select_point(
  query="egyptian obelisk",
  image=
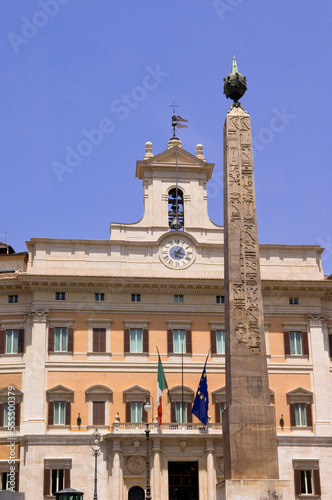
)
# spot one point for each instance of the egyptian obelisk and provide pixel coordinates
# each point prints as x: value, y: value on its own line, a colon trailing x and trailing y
x: 250, y: 443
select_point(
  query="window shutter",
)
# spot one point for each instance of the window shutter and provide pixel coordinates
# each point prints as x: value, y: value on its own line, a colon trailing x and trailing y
x: 50, y: 413
x: 17, y: 414
x: 305, y: 344
x: 297, y: 481
x: 102, y: 340
x: 70, y: 346
x: 2, y: 341
x: 126, y: 341
x: 101, y: 412
x: 67, y: 478
x: 309, y: 415
x: 95, y: 340
x: 330, y: 345
x: 95, y: 414
x: 47, y: 482
x: 20, y: 347
x: 292, y: 415
x: 170, y: 343
x: 2, y: 409
x: 213, y: 342
x: 317, y: 482
x: 146, y: 340
x: 217, y: 414
x: 144, y: 415
x: 128, y: 411
x: 188, y: 342
x: 286, y: 343
x: 68, y: 413
x: 51, y: 333
x: 17, y: 479
x: 173, y: 415
x: 189, y: 414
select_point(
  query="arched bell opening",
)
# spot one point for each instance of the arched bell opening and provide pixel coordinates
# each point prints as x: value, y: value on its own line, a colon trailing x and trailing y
x: 175, y: 209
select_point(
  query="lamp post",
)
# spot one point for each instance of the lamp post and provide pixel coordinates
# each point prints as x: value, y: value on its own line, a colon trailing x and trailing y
x: 147, y: 408
x: 95, y: 441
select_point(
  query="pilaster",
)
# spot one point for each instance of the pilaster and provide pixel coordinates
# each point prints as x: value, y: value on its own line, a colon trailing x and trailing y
x: 321, y: 378
x: 34, y: 379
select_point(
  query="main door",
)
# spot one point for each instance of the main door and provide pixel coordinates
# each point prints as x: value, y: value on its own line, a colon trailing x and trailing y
x: 136, y: 493
x: 183, y: 480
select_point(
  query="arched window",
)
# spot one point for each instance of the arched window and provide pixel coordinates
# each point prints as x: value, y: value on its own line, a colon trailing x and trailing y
x: 175, y: 209
x: 136, y: 493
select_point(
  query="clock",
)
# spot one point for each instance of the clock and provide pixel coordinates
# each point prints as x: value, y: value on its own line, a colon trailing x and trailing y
x: 177, y: 252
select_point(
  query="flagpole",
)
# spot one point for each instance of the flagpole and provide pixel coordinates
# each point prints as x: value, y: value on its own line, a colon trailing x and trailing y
x: 182, y: 412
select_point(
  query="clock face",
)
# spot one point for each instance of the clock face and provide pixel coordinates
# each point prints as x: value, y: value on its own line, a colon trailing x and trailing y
x: 177, y: 252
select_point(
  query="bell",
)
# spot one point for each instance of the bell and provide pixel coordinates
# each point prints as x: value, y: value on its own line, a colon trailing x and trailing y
x: 175, y: 223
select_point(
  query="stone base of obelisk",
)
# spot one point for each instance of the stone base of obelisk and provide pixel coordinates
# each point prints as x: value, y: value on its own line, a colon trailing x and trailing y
x: 254, y: 489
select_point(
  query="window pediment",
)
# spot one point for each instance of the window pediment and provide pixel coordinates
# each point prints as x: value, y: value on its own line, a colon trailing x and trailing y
x: 60, y: 392
x: 135, y: 393
x: 176, y: 393
x: 219, y: 395
x: 299, y: 395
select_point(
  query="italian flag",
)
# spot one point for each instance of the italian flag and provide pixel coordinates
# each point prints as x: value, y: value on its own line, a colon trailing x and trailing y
x: 161, y: 385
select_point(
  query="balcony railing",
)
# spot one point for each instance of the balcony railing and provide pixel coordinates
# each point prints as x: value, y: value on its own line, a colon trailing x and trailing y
x: 166, y: 428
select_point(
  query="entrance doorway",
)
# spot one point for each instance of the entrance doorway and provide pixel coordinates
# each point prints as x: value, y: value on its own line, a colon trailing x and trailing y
x: 136, y: 493
x: 183, y: 480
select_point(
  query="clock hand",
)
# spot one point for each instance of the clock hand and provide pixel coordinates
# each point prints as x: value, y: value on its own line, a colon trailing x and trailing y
x: 178, y: 252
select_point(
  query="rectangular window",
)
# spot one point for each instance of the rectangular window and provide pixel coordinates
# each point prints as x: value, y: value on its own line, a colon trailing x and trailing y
x: 57, y: 480
x: 99, y: 297
x: 61, y: 340
x: 59, y: 413
x: 136, y: 340
x: 295, y: 342
x: 181, y: 412
x: 60, y: 296
x: 136, y: 412
x: 220, y: 339
x: 220, y: 299
x: 98, y: 410
x: 136, y: 297
x: 179, y: 341
x: 4, y: 481
x: 5, y: 415
x: 12, y: 341
x: 12, y: 299
x: 306, y: 482
x: 222, y: 407
x: 99, y: 340
x: 293, y: 301
x: 300, y: 414
x: 178, y: 298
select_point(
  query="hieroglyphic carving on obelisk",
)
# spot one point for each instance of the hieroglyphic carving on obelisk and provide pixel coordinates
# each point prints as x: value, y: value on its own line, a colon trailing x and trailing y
x: 250, y: 446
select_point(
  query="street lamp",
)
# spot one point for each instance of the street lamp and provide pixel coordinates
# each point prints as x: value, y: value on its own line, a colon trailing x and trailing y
x: 95, y: 441
x: 147, y: 408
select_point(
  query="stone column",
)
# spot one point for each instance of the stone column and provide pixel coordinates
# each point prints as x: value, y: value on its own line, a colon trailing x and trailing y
x: 250, y: 445
x: 116, y: 470
x: 210, y: 471
x: 34, y: 378
x: 319, y: 351
x: 156, y: 470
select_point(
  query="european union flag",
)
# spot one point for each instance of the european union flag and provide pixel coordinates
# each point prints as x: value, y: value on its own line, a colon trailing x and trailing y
x: 201, y: 403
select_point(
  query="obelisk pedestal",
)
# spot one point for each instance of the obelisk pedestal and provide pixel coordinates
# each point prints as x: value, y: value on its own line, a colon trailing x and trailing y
x: 250, y: 443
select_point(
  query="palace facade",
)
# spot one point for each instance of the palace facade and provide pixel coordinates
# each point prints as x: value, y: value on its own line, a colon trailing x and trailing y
x: 80, y: 324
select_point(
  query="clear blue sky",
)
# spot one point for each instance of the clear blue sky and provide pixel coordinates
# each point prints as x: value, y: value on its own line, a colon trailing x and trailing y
x: 68, y: 66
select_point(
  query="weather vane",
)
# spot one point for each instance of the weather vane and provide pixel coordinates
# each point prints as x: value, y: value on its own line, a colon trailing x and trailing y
x: 176, y: 119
